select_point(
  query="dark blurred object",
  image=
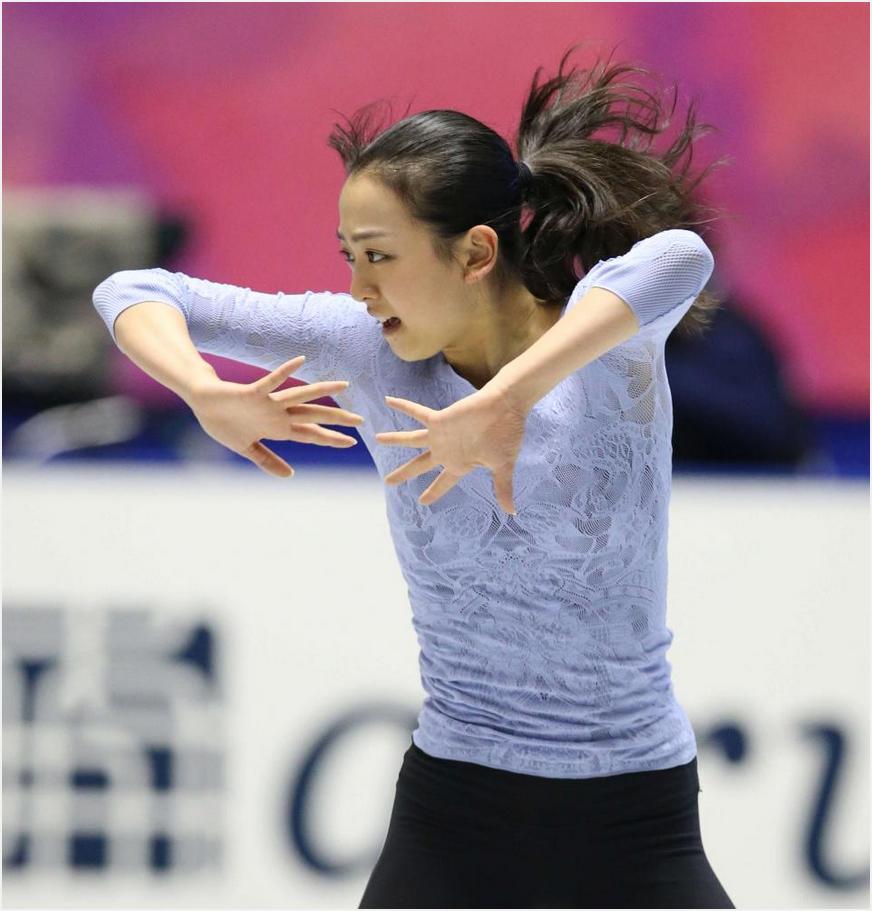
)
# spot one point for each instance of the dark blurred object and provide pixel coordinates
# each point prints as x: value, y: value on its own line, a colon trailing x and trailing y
x: 842, y: 447
x: 58, y: 245
x: 730, y: 404
x: 170, y: 237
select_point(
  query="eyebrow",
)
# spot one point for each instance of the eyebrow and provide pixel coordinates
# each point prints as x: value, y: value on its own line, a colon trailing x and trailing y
x: 363, y: 235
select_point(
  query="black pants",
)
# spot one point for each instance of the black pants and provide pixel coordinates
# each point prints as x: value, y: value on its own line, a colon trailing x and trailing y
x: 463, y: 835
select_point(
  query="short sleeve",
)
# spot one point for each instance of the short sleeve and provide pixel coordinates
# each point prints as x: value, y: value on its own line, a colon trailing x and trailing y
x: 657, y: 274
x: 333, y: 331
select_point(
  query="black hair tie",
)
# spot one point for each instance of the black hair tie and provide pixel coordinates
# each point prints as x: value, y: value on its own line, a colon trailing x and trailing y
x: 525, y: 175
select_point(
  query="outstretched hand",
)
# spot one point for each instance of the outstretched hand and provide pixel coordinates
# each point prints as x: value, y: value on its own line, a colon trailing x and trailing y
x: 482, y: 430
x: 240, y: 415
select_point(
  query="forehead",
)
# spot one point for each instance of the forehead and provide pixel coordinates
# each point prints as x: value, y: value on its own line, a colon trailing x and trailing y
x: 367, y: 203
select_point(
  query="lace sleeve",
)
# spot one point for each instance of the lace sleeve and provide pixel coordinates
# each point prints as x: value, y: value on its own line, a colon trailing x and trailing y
x: 657, y: 275
x: 331, y: 330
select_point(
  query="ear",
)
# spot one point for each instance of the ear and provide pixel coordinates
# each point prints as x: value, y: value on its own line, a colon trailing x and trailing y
x: 479, y: 253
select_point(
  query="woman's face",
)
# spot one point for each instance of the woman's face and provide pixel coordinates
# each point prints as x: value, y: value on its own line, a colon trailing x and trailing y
x: 396, y: 273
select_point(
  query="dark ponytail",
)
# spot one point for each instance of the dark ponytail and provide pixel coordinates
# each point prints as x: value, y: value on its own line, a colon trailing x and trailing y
x: 576, y: 195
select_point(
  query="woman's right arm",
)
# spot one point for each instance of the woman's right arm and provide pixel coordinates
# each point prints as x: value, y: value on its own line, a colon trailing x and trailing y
x: 333, y: 331
x: 155, y: 337
x: 159, y: 336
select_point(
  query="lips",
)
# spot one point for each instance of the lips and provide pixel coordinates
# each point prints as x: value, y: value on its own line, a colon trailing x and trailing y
x: 380, y: 317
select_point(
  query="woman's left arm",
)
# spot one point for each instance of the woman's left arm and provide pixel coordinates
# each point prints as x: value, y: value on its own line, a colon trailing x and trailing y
x: 598, y: 322
x: 486, y: 429
x: 626, y: 293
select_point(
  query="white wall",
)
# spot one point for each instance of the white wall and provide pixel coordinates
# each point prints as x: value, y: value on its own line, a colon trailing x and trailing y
x: 769, y: 594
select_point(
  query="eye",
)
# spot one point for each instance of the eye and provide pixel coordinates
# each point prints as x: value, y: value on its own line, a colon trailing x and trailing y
x: 350, y: 259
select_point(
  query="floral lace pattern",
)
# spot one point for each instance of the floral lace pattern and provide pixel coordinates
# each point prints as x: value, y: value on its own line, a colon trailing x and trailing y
x: 542, y: 635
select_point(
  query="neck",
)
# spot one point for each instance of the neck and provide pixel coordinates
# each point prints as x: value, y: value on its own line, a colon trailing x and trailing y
x: 503, y: 327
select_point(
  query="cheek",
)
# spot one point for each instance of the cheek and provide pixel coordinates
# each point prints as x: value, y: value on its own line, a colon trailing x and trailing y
x: 423, y: 300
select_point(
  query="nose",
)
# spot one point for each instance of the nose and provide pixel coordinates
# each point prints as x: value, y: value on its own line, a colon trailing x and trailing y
x: 361, y: 287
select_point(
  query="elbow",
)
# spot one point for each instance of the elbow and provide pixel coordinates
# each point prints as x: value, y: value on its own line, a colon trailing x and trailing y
x: 705, y: 262
x: 700, y: 259
x: 114, y: 294
x: 117, y: 279
x: 109, y: 286
x: 691, y: 255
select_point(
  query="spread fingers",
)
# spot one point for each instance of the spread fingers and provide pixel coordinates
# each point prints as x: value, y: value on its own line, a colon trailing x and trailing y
x: 323, y: 414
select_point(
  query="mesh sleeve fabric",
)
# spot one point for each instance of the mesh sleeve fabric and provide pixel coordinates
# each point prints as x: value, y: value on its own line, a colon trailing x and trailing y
x: 333, y: 331
x: 657, y: 274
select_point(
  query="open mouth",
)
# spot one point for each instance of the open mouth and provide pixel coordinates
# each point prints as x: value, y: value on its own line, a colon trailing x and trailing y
x: 390, y: 325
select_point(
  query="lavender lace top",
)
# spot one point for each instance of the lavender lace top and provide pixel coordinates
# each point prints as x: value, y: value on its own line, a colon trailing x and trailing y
x: 543, y: 635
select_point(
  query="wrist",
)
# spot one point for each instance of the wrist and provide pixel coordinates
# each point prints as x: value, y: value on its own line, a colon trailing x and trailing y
x: 201, y: 376
x: 514, y: 392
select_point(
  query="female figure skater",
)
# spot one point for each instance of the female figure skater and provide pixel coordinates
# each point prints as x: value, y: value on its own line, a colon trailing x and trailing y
x: 552, y: 765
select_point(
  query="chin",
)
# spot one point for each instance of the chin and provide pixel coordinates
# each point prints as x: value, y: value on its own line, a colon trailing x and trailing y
x: 412, y: 358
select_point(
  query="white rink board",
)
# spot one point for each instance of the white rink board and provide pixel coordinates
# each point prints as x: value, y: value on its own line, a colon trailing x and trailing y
x: 768, y: 599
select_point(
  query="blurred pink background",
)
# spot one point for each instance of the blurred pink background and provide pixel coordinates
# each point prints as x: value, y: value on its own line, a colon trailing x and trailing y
x: 221, y: 112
